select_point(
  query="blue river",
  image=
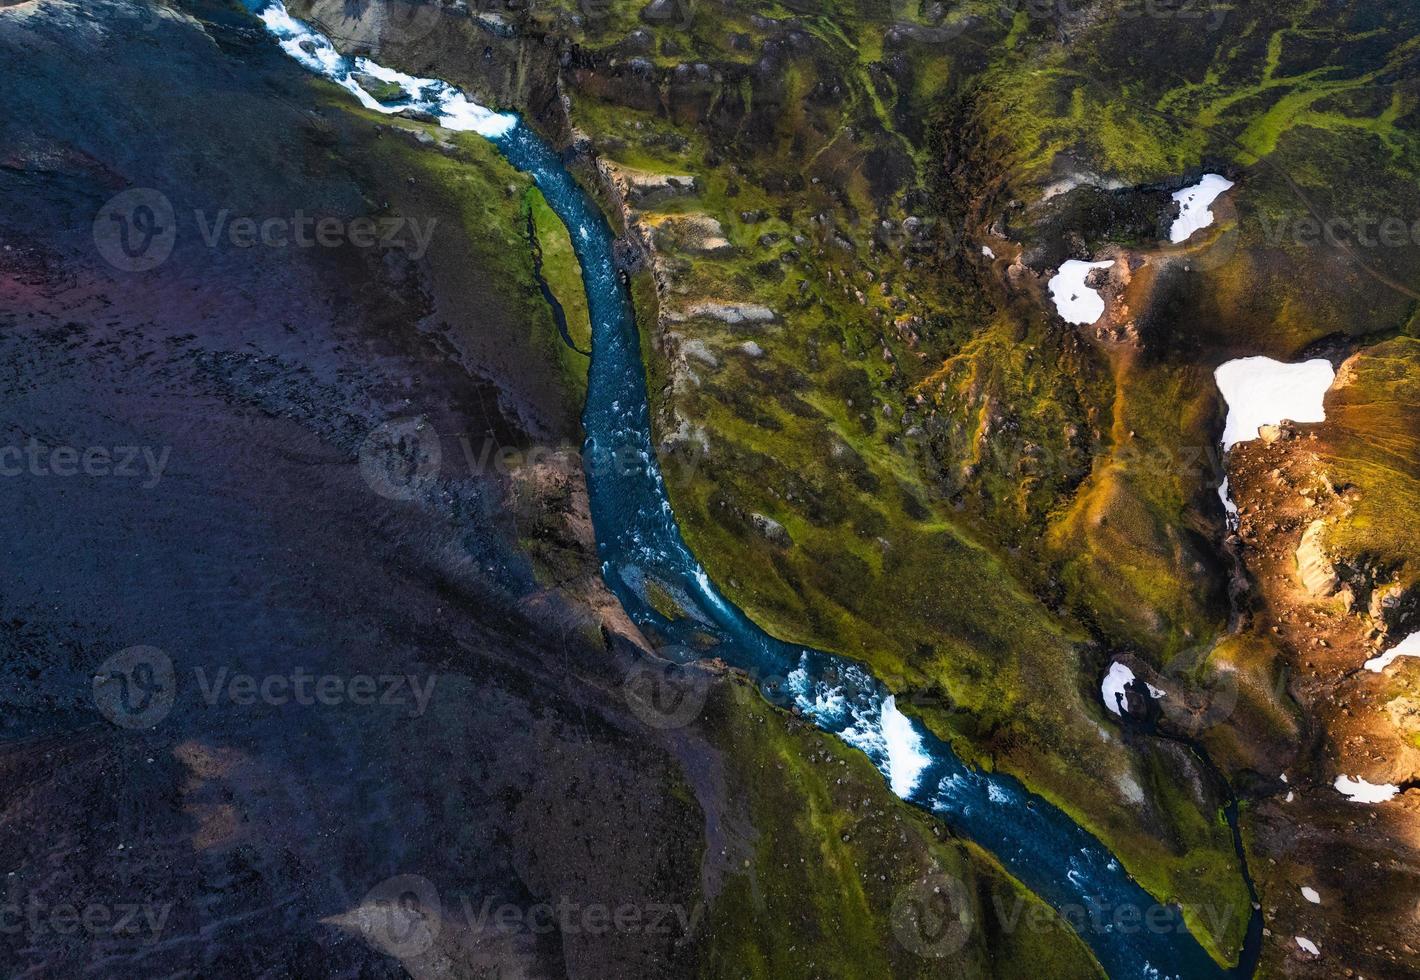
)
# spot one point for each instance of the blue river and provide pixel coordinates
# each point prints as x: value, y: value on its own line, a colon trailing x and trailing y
x: 1130, y: 933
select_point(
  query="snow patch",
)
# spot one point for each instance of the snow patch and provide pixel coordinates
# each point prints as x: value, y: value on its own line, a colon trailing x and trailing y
x: 1077, y: 302
x: 1408, y: 647
x: 1310, y: 894
x: 1114, y: 683
x: 1359, y: 791
x: 1260, y: 391
x: 1193, y: 206
x: 1307, y: 945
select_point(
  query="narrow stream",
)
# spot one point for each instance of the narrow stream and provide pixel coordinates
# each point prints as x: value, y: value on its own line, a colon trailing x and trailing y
x: 639, y: 541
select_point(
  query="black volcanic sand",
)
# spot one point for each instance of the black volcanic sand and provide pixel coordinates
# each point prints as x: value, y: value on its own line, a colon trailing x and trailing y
x: 261, y: 549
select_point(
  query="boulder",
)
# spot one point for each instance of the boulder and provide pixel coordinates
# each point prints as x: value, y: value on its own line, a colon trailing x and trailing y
x: 770, y: 529
x: 1314, y: 568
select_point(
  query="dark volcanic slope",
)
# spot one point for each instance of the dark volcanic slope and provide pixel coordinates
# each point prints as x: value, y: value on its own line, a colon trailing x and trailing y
x: 254, y: 546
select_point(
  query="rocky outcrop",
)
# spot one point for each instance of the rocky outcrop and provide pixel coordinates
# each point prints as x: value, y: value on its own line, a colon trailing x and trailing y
x: 735, y: 314
x: 1313, y: 567
x: 644, y: 188
x: 697, y: 232
x: 481, y: 53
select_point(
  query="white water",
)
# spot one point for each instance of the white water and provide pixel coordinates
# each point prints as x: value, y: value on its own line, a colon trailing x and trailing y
x: 1077, y: 302
x: 451, y: 107
x: 1193, y: 206
x: 1408, y: 647
x: 877, y: 728
x: 906, y: 760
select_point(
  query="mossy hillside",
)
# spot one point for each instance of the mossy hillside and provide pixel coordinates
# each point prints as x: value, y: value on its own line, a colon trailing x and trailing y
x: 1371, y: 441
x: 1312, y: 107
x: 829, y: 856
x: 917, y: 596
x: 1213, y: 305
x: 1146, y: 94
x: 1262, y: 730
x: 1010, y: 426
x: 1132, y: 549
x: 857, y: 562
x: 1313, y: 111
x: 1273, y: 282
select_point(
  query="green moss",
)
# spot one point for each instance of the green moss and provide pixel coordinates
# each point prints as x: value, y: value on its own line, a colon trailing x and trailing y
x: 829, y: 857
x: 923, y: 591
x: 1371, y: 443
x: 663, y: 602
x: 384, y: 91
x: 563, y: 275
x: 1261, y: 730
x: 1131, y: 548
